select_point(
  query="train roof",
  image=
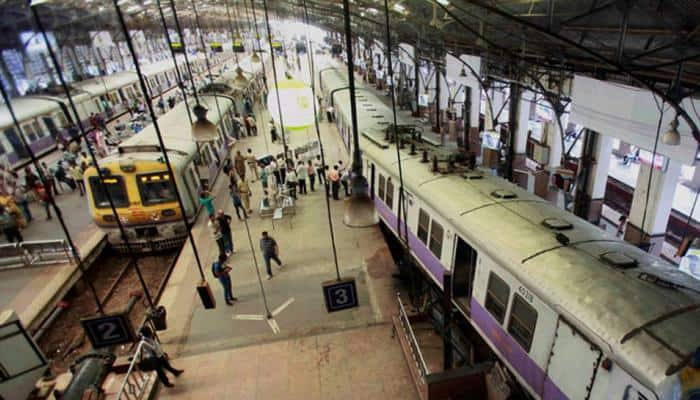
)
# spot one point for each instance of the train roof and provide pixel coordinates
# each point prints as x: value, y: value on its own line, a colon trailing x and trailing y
x: 604, y: 286
x: 26, y: 108
x: 101, y: 85
x: 175, y: 128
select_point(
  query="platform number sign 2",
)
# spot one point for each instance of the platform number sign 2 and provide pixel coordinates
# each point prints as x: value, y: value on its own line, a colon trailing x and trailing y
x: 108, y: 330
x: 340, y: 295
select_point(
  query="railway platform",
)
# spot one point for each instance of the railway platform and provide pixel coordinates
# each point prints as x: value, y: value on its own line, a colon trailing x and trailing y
x: 315, y: 355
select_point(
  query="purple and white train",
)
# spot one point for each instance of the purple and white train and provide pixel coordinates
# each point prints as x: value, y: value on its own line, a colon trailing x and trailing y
x: 571, y: 311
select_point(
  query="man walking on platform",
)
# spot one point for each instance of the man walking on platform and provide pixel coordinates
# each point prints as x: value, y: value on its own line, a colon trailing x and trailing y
x: 270, y: 251
x: 252, y: 162
x: 320, y: 170
x: 222, y: 272
x: 334, y: 178
x: 215, y: 230
x: 225, y: 228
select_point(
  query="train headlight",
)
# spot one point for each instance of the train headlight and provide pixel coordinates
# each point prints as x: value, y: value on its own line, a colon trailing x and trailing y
x: 168, y: 213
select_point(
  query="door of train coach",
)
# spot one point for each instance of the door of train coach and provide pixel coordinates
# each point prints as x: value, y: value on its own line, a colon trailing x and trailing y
x: 463, y: 273
x: 570, y: 348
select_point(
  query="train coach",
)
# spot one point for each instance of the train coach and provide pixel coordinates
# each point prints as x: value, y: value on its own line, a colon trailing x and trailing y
x: 548, y: 292
x: 141, y: 187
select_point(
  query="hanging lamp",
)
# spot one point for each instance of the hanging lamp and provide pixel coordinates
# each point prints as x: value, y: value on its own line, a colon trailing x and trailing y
x: 672, y: 137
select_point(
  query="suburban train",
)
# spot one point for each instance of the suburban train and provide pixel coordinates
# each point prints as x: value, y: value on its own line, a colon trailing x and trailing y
x: 141, y: 187
x: 44, y: 118
x: 571, y: 311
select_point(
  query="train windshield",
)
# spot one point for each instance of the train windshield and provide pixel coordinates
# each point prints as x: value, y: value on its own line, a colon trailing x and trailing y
x: 156, y: 188
x: 115, y: 187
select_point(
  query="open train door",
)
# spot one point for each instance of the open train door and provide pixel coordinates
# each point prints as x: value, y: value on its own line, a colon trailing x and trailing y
x: 571, y: 351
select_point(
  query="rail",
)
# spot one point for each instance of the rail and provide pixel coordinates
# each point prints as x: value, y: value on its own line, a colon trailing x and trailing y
x: 408, y: 331
x: 35, y: 252
x: 136, y: 381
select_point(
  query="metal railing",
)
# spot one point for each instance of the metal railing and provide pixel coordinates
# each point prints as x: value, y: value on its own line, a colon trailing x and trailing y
x: 35, y: 252
x: 413, y: 342
x: 136, y: 381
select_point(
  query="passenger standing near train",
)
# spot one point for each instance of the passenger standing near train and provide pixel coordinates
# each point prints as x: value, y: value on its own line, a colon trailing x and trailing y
x: 282, y: 168
x: 252, y: 162
x: 239, y: 164
x: 30, y: 178
x: 273, y: 168
x: 20, y: 198
x: 156, y: 353
x: 253, y: 125
x: 237, y: 202
x: 62, y: 176
x: 43, y: 196
x: 292, y: 182
x: 224, y: 221
x: 334, y: 177
x: 244, y: 191
x: 318, y: 164
x: 215, y: 231
x: 273, y: 132
x: 50, y: 179
x: 207, y: 201
x: 222, y: 272
x: 345, y: 181
x: 311, y: 172
x: 9, y: 223
x: 237, y: 125
x: 246, y: 123
x: 301, y: 177
x: 270, y: 251
x: 76, y: 173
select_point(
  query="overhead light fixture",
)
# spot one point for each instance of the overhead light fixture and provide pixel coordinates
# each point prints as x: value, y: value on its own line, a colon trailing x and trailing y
x: 672, y: 137
x: 398, y: 7
x: 463, y: 73
x: 443, y: 2
x: 203, y: 130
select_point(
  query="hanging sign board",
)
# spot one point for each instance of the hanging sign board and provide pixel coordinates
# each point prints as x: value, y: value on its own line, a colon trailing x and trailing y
x: 216, y: 47
x: 238, y: 46
x: 108, y: 330
x: 178, y: 47
x: 340, y: 294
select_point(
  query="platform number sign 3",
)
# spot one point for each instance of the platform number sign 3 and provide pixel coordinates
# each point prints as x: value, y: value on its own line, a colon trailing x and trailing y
x: 108, y: 330
x: 340, y: 295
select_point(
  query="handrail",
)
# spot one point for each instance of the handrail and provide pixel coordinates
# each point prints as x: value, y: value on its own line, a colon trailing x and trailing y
x: 406, y: 324
x: 140, y: 385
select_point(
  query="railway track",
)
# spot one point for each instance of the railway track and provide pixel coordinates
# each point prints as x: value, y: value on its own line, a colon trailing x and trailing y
x: 61, y: 336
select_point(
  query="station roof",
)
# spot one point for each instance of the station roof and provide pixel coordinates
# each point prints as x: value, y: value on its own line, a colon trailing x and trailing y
x: 642, y: 42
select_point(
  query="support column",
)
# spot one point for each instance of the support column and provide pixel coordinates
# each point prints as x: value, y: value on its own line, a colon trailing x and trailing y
x: 651, y: 235
x: 438, y: 128
x: 598, y: 179
x: 513, y: 125
x: 416, y: 71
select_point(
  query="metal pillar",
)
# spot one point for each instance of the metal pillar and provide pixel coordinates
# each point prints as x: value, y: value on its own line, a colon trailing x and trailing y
x: 582, y: 199
x: 513, y: 117
x: 437, y: 101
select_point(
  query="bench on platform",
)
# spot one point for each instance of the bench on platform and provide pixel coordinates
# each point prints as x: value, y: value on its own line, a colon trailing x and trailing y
x: 12, y: 255
x: 47, y: 251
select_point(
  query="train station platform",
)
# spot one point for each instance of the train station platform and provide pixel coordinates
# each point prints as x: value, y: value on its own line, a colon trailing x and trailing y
x: 315, y: 355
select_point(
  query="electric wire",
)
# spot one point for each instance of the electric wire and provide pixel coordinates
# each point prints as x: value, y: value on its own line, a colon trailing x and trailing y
x: 312, y: 69
x: 93, y: 156
x: 163, y: 149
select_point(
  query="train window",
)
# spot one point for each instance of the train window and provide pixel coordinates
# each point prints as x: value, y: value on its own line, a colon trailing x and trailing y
x: 28, y: 130
x: 436, y: 233
x: 497, y: 293
x: 423, y: 226
x: 380, y: 189
x: 389, y: 200
x: 523, y: 319
x: 156, y: 188
x: 37, y: 128
x: 115, y: 187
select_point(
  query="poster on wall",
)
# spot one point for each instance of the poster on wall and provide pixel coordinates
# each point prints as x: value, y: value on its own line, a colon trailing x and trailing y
x: 536, y: 129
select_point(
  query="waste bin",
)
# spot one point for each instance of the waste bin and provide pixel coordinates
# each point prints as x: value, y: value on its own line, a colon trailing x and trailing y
x: 157, y: 316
